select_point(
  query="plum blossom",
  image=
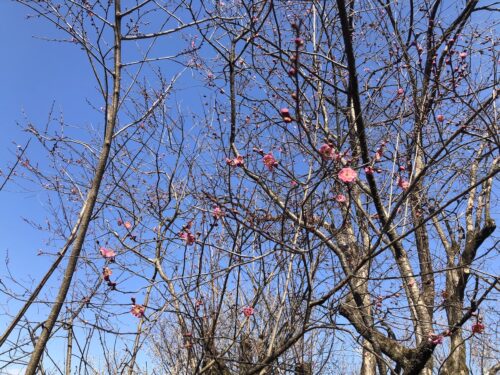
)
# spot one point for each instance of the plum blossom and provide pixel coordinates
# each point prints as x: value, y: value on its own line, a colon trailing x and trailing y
x: 436, y: 339
x: 217, y: 213
x: 299, y: 41
x: 248, y: 311
x: 403, y: 184
x: 440, y: 118
x: 327, y: 151
x: 127, y: 225
x: 269, y: 161
x: 137, y: 310
x: 107, y: 253
x: 236, y: 162
x: 369, y: 170
x: 285, y: 112
x: 340, y: 198
x: 348, y: 175
x: 188, y: 237
x: 478, y: 327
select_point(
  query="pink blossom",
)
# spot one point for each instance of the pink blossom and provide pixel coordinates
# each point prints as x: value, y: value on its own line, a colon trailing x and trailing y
x: 236, y: 162
x: 440, y: 118
x: 119, y: 222
x: 285, y: 112
x: 107, y: 253
x: 137, y: 310
x: 478, y: 327
x: 403, y: 184
x: 248, y: 311
x: 294, y: 183
x: 269, y: 161
x: 369, y: 170
x: 463, y: 55
x: 401, y: 91
x: 347, y: 175
x: 340, y: 198
x: 299, y: 41
x: 435, y: 339
x: 327, y: 151
x: 217, y: 213
x: 127, y: 225
x: 188, y: 237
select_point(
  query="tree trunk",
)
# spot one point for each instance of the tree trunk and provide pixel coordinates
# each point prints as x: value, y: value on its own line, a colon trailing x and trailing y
x: 456, y: 363
x: 369, y: 364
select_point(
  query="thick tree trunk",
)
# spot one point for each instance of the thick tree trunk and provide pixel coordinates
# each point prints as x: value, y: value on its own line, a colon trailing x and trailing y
x: 456, y: 363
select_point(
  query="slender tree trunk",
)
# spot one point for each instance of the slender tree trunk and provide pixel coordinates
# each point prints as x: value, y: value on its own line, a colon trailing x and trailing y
x: 88, y: 205
x: 369, y: 364
x: 69, y: 348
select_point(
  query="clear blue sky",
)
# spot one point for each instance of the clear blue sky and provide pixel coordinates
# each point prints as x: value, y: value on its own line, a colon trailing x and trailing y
x: 34, y: 73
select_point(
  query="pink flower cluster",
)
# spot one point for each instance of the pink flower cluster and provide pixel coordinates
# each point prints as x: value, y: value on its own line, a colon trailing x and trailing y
x: 403, y: 184
x: 435, y: 339
x: 478, y: 327
x: 137, y: 310
x: 188, y: 237
x: 107, y: 253
x: 186, y: 234
x: 328, y: 152
x: 236, y: 162
x: 248, y: 311
x: 340, y: 198
x: 285, y: 113
x: 269, y: 161
x: 217, y: 213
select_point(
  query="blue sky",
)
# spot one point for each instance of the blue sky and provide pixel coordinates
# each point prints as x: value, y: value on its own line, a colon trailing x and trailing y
x: 34, y: 74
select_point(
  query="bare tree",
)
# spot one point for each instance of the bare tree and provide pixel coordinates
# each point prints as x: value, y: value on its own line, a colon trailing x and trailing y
x: 331, y: 190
